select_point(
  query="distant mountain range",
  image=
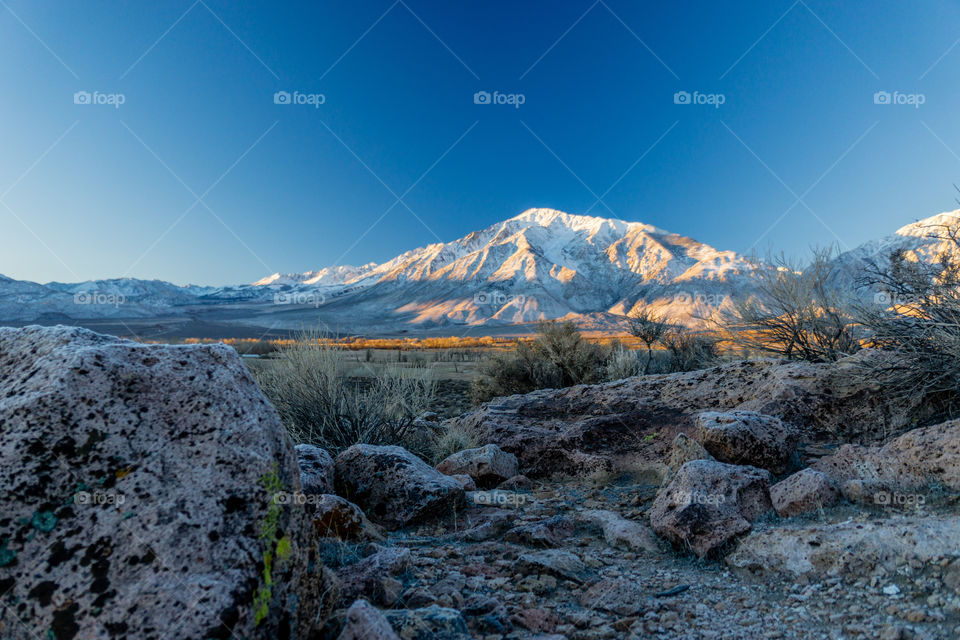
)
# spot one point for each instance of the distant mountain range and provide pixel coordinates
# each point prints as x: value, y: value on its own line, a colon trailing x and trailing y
x: 540, y: 264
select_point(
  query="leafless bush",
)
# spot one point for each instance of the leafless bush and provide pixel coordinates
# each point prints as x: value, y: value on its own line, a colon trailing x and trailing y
x: 913, y: 318
x: 320, y: 404
x: 798, y: 314
x: 649, y: 328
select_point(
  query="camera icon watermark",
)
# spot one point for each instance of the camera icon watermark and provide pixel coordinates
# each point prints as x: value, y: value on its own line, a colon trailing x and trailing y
x: 99, y: 298
x: 299, y: 297
x: 296, y: 97
x: 911, y: 99
x: 712, y: 99
x: 114, y: 100
x: 513, y: 99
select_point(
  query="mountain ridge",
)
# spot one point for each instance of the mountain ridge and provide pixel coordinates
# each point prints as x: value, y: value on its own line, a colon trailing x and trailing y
x: 541, y: 263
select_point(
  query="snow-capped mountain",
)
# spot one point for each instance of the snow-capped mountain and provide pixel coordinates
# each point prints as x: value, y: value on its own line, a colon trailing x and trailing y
x: 540, y: 264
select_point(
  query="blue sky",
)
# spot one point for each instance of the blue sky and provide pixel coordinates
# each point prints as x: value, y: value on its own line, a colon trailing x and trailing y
x: 200, y: 177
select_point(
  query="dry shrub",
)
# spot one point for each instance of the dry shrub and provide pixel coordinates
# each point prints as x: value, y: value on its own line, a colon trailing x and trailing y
x: 559, y: 357
x: 454, y: 440
x: 798, y: 314
x: 689, y: 350
x: 912, y: 315
x: 321, y: 405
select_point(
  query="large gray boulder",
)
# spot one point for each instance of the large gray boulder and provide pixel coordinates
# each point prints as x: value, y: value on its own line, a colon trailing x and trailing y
x: 488, y: 465
x: 804, y: 491
x: 749, y: 438
x: 140, y: 487
x: 394, y: 487
x: 710, y: 503
x: 910, y: 463
x: 851, y: 549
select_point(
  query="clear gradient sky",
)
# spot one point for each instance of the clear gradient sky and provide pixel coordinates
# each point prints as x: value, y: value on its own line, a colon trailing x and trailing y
x: 200, y: 177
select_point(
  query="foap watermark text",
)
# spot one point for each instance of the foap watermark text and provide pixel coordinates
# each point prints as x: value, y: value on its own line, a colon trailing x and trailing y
x: 99, y: 98
x: 299, y: 98
x: 512, y: 99
x: 712, y: 99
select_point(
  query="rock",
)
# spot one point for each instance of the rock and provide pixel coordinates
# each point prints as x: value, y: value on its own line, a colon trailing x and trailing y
x: 536, y: 619
x: 516, y: 483
x: 374, y: 577
x: 709, y: 504
x: 620, y: 426
x: 621, y: 533
x: 486, y: 615
x: 552, y: 532
x: 557, y: 562
x: 429, y: 623
x: 316, y: 469
x: 334, y: 517
x: 485, y: 523
x: 619, y: 595
x: 804, y: 491
x: 684, y: 449
x: 394, y: 487
x: 487, y: 465
x: 465, y: 481
x: 911, y: 462
x: 851, y: 548
x: 748, y: 438
x: 138, y: 483
x: 365, y: 622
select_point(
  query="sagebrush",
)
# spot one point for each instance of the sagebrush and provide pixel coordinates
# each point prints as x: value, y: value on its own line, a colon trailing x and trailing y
x: 322, y: 404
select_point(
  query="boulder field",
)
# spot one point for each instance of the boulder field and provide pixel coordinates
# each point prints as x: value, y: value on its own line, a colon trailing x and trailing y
x: 151, y: 492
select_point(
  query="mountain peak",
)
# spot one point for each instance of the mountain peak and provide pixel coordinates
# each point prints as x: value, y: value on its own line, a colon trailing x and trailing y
x: 928, y: 226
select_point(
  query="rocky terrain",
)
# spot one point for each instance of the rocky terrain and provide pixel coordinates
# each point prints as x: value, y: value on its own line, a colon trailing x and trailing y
x: 151, y: 492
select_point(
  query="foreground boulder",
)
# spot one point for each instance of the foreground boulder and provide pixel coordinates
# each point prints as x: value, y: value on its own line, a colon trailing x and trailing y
x: 487, y: 465
x: 316, y: 469
x: 854, y: 549
x: 708, y: 504
x: 394, y: 487
x: 748, y: 438
x: 141, y: 487
x: 916, y: 460
x: 630, y: 424
x: 804, y: 491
